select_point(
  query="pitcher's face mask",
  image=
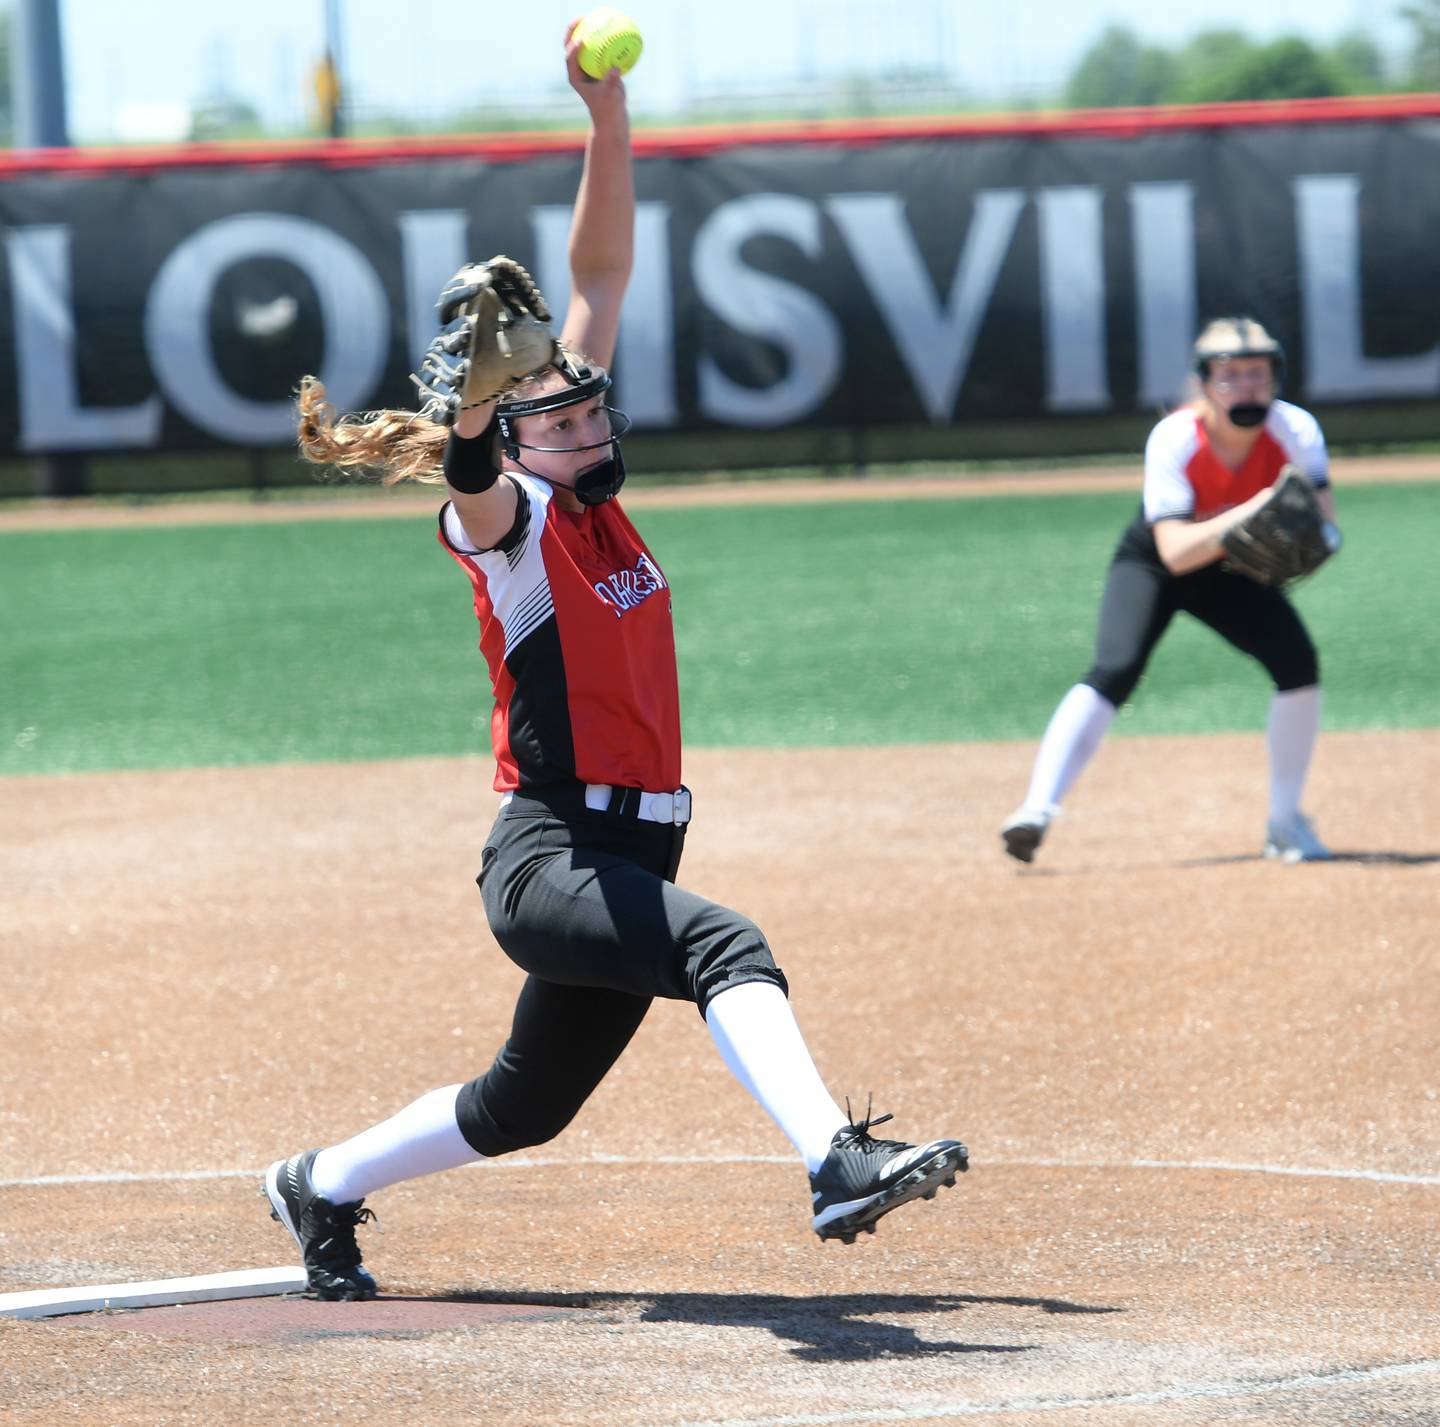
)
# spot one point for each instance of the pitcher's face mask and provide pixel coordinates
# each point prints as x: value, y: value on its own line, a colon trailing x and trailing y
x: 569, y: 421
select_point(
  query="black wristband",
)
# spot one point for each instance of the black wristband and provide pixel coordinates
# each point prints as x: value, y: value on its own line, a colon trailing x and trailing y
x: 469, y: 464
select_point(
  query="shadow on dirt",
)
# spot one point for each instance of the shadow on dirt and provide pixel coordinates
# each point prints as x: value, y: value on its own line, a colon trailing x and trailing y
x: 826, y: 1328
x: 1368, y: 859
x: 1365, y: 859
x: 1388, y: 859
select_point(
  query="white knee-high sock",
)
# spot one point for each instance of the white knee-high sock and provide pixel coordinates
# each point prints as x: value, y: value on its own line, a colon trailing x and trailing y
x: 755, y: 1030
x: 1290, y: 734
x: 1074, y: 733
x: 422, y: 1139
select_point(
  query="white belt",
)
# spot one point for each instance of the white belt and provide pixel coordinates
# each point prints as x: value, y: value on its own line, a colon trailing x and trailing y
x: 672, y: 808
x: 654, y: 807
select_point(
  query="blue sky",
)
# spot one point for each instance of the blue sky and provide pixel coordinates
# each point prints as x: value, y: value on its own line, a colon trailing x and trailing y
x: 130, y: 62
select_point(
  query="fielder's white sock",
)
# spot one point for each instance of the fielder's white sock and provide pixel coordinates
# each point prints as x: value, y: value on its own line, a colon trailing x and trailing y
x: 1071, y: 738
x: 1290, y: 734
x: 422, y: 1139
x: 755, y: 1030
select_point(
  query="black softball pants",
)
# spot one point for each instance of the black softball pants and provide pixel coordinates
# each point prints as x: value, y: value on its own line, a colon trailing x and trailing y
x: 585, y: 902
x: 1141, y: 599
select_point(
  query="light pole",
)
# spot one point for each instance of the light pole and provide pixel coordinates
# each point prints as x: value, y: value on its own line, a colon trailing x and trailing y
x: 37, y: 74
x: 330, y: 80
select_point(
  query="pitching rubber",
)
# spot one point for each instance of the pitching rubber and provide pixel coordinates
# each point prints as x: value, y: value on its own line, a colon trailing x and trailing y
x: 157, y: 1293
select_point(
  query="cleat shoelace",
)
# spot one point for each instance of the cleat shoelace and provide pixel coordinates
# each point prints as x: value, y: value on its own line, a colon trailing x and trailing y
x: 857, y: 1132
x: 338, y: 1251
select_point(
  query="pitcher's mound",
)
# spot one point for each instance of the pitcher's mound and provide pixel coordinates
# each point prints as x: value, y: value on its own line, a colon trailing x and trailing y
x: 298, y: 1320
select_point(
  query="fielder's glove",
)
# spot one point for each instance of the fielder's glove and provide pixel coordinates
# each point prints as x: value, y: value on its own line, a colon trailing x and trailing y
x: 1286, y: 539
x: 496, y: 329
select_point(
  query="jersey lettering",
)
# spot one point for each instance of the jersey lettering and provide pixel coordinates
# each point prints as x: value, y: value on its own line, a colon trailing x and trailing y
x: 627, y: 588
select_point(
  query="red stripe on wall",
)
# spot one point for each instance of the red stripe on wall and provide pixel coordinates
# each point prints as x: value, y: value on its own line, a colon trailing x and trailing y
x: 709, y: 139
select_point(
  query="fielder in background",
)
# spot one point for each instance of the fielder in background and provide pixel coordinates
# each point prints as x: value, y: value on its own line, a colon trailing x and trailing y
x: 577, y: 873
x: 1213, y: 494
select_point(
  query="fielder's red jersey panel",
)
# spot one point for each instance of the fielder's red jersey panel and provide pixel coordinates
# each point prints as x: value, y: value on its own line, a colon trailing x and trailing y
x: 575, y: 627
x: 1185, y: 479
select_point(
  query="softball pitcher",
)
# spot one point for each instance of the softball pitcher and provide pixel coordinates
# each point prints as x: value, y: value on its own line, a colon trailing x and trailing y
x: 577, y: 873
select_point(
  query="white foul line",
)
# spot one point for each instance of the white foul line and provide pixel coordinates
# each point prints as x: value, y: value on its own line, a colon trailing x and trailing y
x: 931, y: 1411
x: 1374, y: 1176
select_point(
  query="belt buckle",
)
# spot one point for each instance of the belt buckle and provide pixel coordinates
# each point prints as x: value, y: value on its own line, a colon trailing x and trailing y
x: 680, y: 807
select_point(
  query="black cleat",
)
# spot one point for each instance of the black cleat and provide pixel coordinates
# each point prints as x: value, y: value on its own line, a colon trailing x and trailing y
x: 324, y: 1231
x: 863, y: 1178
x: 1024, y: 832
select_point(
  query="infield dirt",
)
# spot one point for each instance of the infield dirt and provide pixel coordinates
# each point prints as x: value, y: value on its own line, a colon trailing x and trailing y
x: 1199, y: 1089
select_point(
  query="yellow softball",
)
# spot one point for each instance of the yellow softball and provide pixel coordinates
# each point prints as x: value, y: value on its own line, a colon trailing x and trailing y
x: 608, y: 40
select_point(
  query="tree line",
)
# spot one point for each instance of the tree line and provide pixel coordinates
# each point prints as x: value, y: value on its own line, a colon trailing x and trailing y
x: 1220, y: 65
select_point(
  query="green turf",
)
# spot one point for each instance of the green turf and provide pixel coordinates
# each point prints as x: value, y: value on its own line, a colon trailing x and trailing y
x: 867, y: 622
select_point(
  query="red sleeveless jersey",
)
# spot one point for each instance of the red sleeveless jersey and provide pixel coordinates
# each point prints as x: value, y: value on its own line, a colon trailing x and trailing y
x: 575, y: 627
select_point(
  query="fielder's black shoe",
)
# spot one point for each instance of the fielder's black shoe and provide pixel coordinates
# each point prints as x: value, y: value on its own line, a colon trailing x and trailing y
x: 863, y: 1178
x: 324, y: 1231
x: 1024, y: 831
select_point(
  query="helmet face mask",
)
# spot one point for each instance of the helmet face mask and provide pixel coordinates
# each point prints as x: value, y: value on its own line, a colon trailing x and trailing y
x: 599, y: 482
x: 1230, y: 339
